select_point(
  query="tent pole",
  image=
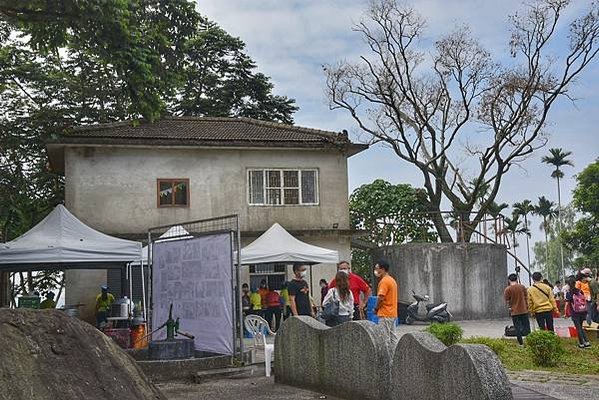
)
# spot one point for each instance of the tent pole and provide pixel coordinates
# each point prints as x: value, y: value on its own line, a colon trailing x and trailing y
x: 130, y: 269
x: 143, y: 288
x: 311, y: 283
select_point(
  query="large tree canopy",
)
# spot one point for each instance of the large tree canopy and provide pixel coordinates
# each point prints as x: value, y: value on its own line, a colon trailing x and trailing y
x: 454, y: 112
x: 583, y: 237
x: 71, y: 62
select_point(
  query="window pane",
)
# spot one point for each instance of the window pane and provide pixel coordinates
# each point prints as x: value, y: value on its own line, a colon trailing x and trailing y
x: 291, y: 196
x: 181, y: 193
x: 166, y: 193
x: 273, y: 196
x: 274, y: 178
x: 290, y: 179
x: 309, y: 187
x: 256, y: 187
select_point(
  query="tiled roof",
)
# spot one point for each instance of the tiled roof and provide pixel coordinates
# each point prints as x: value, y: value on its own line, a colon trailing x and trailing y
x: 205, y: 129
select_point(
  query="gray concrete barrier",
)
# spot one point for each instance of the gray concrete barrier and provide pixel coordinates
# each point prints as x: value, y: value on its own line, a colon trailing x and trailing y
x: 348, y: 361
x: 424, y: 368
x: 351, y: 361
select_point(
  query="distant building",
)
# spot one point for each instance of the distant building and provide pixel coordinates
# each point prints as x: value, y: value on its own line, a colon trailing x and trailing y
x: 123, y: 179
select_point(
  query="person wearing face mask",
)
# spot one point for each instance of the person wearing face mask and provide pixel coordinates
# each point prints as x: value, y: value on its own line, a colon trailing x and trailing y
x: 299, y: 292
x: 386, y: 303
x: 357, y: 286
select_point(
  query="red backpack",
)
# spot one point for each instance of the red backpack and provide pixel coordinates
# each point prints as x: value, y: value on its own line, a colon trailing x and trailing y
x: 579, y: 302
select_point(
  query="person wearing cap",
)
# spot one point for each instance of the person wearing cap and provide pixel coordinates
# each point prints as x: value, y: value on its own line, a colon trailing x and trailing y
x: 49, y: 302
x: 103, y: 302
x: 584, y: 283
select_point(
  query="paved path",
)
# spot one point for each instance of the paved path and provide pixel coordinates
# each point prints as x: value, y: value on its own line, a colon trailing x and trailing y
x: 265, y: 388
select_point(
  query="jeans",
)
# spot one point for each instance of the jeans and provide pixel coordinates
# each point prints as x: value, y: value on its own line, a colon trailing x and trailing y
x: 522, y: 325
x: 356, y: 312
x: 582, y: 335
x: 545, y: 320
x: 273, y: 313
x: 338, y: 320
x: 101, y: 316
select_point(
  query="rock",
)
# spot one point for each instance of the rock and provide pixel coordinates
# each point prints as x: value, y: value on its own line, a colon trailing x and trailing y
x: 47, y: 355
x: 351, y: 361
x: 346, y: 361
x: 424, y: 368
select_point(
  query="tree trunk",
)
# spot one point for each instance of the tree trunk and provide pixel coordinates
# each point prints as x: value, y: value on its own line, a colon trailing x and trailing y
x: 546, y: 246
x: 441, y: 228
x: 559, y: 224
x: 527, y: 241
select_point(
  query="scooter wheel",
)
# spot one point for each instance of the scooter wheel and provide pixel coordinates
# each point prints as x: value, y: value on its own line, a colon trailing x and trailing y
x: 409, y: 320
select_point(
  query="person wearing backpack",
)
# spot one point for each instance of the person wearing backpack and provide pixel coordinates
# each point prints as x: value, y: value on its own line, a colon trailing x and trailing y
x: 577, y: 303
x: 541, y: 303
x: 338, y: 302
x: 516, y: 299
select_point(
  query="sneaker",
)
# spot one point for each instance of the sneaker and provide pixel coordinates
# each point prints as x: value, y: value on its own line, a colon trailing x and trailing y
x: 581, y: 346
x: 587, y: 345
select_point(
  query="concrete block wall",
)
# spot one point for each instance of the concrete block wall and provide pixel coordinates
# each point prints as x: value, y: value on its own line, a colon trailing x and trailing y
x: 352, y: 361
x: 471, y: 277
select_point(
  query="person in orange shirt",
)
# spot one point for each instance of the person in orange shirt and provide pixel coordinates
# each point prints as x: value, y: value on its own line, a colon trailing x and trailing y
x: 583, y: 283
x: 263, y: 291
x: 386, y: 304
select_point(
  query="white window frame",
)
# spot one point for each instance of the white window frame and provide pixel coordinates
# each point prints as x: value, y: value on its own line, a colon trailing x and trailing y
x: 282, y: 187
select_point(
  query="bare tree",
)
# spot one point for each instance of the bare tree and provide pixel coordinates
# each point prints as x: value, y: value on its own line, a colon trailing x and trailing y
x: 459, y: 116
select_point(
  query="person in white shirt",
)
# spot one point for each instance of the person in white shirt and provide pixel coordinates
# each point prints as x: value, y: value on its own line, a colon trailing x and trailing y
x: 344, y: 296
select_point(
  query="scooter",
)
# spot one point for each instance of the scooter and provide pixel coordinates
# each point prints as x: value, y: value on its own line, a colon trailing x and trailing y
x: 434, y: 312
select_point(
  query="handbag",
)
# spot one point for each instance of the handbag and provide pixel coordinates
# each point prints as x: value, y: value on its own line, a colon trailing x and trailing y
x: 331, y: 309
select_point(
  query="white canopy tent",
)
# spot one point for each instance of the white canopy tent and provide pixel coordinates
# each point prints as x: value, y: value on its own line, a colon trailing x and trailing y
x: 276, y: 245
x: 174, y: 233
x: 61, y: 241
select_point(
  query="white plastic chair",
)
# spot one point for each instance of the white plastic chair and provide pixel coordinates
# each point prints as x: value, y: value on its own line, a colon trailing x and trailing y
x: 257, y: 325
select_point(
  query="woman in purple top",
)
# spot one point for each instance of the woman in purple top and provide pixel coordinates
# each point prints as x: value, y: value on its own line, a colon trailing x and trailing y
x: 577, y: 316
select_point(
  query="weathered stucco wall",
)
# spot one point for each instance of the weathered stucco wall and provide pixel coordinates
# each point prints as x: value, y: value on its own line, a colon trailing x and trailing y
x: 469, y: 276
x: 114, y: 189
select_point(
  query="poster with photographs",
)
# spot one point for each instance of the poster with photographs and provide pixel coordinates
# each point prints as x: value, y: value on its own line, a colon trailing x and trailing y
x: 194, y: 275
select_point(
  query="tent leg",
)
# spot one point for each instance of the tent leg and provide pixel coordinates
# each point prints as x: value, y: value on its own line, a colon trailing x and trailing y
x: 130, y: 274
x: 143, y: 289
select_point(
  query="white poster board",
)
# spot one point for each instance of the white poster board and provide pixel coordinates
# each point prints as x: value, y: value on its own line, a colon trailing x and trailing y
x: 195, y: 276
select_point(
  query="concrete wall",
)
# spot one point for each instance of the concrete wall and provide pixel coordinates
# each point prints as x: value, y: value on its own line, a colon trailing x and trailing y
x: 469, y: 276
x: 352, y: 361
x: 114, y: 189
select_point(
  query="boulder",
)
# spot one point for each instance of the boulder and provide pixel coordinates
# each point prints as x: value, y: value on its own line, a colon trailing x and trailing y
x: 47, y: 355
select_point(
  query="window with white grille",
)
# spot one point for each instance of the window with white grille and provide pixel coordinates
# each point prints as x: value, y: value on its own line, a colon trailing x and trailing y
x: 281, y: 187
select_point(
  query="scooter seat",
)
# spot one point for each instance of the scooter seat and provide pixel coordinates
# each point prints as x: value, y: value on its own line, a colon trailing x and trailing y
x: 431, y: 306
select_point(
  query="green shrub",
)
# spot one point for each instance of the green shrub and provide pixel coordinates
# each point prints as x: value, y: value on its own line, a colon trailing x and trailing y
x: 448, y: 333
x: 545, y: 348
x: 498, y: 346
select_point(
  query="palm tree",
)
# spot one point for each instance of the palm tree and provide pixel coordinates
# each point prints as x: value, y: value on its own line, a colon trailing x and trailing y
x: 546, y: 209
x: 524, y: 208
x: 559, y: 158
x: 512, y: 227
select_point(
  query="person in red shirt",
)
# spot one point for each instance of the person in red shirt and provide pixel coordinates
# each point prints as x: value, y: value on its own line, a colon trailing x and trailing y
x: 357, y: 285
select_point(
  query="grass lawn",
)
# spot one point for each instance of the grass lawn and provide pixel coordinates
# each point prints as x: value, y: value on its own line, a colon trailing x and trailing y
x: 515, y: 358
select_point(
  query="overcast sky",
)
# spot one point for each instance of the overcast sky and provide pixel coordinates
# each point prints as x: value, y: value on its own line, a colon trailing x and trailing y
x: 291, y: 40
